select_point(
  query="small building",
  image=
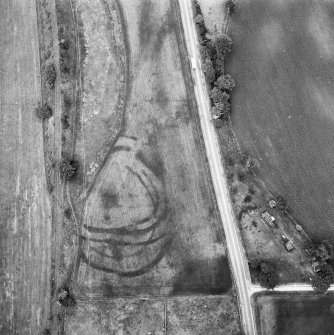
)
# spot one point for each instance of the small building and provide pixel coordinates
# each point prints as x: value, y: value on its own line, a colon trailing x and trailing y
x: 269, y: 219
x: 284, y: 238
x: 299, y: 227
x: 289, y: 246
x: 272, y: 203
x: 316, y: 266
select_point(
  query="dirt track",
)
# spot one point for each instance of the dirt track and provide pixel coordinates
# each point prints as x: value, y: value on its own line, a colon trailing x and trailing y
x: 25, y: 210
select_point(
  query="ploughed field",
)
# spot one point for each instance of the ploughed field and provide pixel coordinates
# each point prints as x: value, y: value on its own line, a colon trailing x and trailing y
x: 294, y: 314
x: 25, y: 222
x: 282, y: 105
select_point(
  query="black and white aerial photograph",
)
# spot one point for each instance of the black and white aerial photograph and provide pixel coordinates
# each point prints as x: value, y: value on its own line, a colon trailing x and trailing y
x: 166, y: 167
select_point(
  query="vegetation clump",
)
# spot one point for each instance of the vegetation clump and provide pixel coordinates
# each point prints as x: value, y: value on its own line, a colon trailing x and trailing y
x: 50, y: 74
x: 266, y: 274
x: 225, y: 82
x: 209, y: 71
x: 68, y: 168
x: 322, y: 254
x: 230, y: 6
x: 43, y: 111
x: 223, y: 46
x: 65, y: 298
x: 213, y: 53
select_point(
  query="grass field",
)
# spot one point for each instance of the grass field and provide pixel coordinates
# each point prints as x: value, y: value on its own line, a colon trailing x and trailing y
x: 283, y: 103
x: 25, y: 222
x: 295, y: 314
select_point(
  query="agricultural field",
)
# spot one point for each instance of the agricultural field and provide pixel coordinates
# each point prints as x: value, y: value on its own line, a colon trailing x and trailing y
x: 289, y: 313
x: 149, y: 225
x: 25, y: 222
x: 134, y: 213
x: 282, y: 62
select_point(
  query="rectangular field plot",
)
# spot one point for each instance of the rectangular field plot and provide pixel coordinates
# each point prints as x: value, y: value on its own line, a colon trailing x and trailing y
x: 197, y: 315
x: 295, y: 314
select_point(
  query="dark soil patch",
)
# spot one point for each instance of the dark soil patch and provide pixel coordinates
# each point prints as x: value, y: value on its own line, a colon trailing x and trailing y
x: 201, y: 278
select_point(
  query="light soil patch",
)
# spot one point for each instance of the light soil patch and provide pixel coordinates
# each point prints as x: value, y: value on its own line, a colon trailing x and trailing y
x: 25, y: 223
x: 104, y: 78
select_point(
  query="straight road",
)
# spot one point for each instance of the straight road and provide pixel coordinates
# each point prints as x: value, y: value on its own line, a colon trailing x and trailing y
x: 234, y: 244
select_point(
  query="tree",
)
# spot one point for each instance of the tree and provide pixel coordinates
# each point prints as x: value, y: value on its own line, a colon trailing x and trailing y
x: 68, y: 168
x: 268, y: 280
x: 223, y: 46
x: 324, y: 278
x: 225, y: 82
x: 265, y: 272
x: 282, y: 204
x: 222, y: 109
x: 206, y: 52
x: 199, y: 19
x: 230, y: 6
x: 196, y: 7
x: 219, y: 96
x: 43, y: 111
x: 209, y: 71
x: 50, y: 74
x: 320, y: 252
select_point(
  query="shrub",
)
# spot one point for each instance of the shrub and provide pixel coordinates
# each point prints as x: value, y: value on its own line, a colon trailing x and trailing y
x: 199, y: 19
x: 50, y: 74
x: 65, y: 43
x: 65, y: 298
x: 282, y: 204
x: 196, y: 7
x: 45, y: 332
x: 218, y: 123
x: 230, y: 6
x: 68, y: 168
x: 43, y: 111
x: 65, y: 66
x: 225, y: 82
x: 68, y: 212
x: 248, y: 198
